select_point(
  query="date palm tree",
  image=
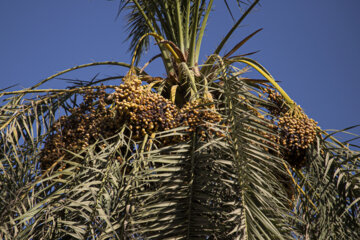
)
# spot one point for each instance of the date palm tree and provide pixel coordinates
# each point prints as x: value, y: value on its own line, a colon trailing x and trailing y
x: 203, y: 153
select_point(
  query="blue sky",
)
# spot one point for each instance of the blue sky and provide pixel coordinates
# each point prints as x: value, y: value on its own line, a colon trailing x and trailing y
x: 312, y: 47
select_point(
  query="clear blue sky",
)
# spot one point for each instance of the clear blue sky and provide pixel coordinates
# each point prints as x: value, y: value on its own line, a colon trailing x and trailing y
x: 312, y: 47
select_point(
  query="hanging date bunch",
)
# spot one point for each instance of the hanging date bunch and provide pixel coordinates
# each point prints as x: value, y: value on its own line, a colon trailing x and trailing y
x: 197, y: 117
x: 102, y: 114
x: 297, y: 132
x: 82, y: 127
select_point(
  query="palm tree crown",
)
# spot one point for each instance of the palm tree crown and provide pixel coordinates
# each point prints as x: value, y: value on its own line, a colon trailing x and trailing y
x: 203, y: 153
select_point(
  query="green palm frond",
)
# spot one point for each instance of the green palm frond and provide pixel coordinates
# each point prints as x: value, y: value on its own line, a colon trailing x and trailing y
x: 259, y: 215
x: 332, y: 181
x: 181, y: 22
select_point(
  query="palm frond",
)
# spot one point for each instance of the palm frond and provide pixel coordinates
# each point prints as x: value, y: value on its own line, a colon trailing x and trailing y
x: 332, y: 181
x: 260, y: 174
